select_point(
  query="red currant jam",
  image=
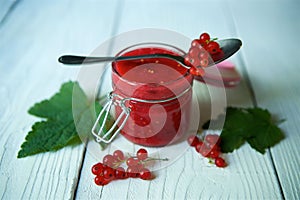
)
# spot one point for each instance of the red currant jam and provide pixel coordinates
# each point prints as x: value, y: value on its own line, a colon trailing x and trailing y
x: 158, y: 93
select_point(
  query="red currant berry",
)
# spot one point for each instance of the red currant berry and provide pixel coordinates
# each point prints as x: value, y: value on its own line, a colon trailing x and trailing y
x: 205, y: 47
x: 204, y: 151
x: 132, y: 172
x: 139, y: 166
x: 214, y: 153
x: 212, y: 139
x: 194, y: 52
x: 120, y: 173
x: 213, y: 47
x: 97, y: 169
x: 198, y: 146
x: 220, y: 162
x: 142, y: 154
x: 196, y: 62
x: 218, y: 55
x: 204, y: 39
x: 214, y: 146
x: 188, y: 60
x: 145, y: 174
x: 203, y: 55
x: 196, y: 43
x: 193, y: 140
x: 101, y: 181
x: 204, y: 62
x: 132, y: 162
x: 119, y: 155
x: 109, y: 160
x: 108, y: 173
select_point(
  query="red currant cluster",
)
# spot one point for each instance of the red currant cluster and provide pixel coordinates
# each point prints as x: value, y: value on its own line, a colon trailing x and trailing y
x: 200, y: 51
x: 209, y: 148
x: 110, y: 169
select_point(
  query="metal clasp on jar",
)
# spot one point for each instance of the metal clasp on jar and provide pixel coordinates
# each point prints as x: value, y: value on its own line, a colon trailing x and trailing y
x: 100, y: 135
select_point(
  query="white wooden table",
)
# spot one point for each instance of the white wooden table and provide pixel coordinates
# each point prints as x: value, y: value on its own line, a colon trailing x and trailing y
x: 33, y: 33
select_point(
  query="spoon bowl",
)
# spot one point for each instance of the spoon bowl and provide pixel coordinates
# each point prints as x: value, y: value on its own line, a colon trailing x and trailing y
x: 228, y: 46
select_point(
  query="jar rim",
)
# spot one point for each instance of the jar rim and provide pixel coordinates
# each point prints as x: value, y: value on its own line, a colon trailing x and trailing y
x: 154, y: 44
x: 123, y: 99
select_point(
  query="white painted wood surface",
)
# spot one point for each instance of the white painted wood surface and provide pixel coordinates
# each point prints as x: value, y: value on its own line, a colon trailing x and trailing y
x: 6, y: 8
x: 36, y: 32
x: 274, y: 76
x: 32, y: 38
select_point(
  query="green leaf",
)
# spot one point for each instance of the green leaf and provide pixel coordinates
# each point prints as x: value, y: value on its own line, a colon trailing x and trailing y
x: 230, y: 142
x: 68, y: 115
x: 266, y: 134
x: 252, y: 125
x: 47, y: 135
x: 60, y: 103
x: 234, y: 118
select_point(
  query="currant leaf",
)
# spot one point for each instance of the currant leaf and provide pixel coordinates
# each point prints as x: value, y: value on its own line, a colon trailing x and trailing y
x: 252, y: 125
x: 64, y: 121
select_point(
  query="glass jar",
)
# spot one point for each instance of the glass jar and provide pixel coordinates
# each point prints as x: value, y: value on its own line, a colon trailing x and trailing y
x: 152, y: 97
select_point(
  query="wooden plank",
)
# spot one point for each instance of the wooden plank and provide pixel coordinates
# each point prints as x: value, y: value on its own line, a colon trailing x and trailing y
x: 31, y: 40
x: 249, y: 174
x: 6, y: 7
x: 274, y: 75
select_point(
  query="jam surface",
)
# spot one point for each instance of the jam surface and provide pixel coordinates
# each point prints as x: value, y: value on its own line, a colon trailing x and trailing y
x: 151, y: 70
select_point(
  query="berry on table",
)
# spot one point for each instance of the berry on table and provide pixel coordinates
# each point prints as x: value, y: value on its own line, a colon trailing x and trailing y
x: 142, y: 154
x: 133, y: 172
x: 204, y: 151
x: 220, y: 162
x: 132, y: 162
x: 97, y: 169
x: 193, y: 140
x: 198, y: 146
x: 109, y: 160
x: 119, y: 155
x: 209, y: 148
x: 111, y: 170
x: 214, y: 153
x: 101, y: 181
x: 145, y: 174
x: 108, y: 173
x: 120, y: 173
x: 212, y: 139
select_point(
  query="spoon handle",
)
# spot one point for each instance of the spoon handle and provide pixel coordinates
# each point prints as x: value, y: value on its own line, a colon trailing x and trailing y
x: 71, y: 59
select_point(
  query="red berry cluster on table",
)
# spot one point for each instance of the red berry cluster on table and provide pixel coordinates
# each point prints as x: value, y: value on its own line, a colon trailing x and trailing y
x: 209, y: 148
x: 110, y: 169
x: 201, y: 54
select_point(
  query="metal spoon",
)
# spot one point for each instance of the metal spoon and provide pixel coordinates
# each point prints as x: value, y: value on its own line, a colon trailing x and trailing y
x: 228, y: 46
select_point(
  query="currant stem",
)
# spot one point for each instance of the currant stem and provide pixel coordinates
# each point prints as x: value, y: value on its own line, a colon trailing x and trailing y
x: 211, y: 161
x: 117, y: 164
x: 151, y: 159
